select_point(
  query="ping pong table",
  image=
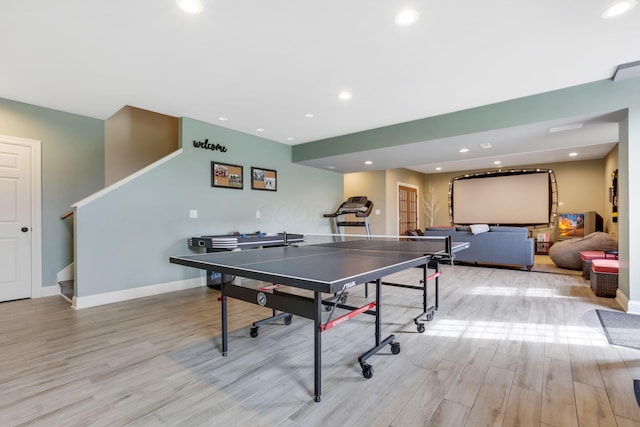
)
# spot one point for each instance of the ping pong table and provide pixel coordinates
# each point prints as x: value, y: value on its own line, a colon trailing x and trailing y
x: 329, y: 268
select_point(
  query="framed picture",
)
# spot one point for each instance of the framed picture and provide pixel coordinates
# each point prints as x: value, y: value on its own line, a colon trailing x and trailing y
x: 264, y: 179
x: 226, y: 175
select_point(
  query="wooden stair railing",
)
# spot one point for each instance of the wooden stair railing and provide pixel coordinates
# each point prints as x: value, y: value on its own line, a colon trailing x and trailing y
x: 66, y: 215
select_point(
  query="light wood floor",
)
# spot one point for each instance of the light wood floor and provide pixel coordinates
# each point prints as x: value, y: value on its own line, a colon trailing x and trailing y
x: 506, y: 348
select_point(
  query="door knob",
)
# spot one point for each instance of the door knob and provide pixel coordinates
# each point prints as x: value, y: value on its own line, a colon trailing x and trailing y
x: 24, y: 229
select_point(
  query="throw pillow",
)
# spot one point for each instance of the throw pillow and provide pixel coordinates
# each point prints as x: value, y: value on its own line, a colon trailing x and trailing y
x: 479, y: 228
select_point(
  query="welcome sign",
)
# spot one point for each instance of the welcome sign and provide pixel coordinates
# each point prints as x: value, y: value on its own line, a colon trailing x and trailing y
x: 208, y: 146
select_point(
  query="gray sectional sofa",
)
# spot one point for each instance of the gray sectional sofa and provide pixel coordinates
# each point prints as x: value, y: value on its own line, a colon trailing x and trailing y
x: 500, y: 245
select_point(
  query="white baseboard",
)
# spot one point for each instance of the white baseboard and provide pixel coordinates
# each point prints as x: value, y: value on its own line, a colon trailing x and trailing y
x: 633, y: 307
x: 49, y: 291
x: 129, y: 294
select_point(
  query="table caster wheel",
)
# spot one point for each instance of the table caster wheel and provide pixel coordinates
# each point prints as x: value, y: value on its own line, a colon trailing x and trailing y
x: 430, y: 316
x: 420, y: 327
x: 395, y: 347
x: 287, y: 319
x: 254, y: 332
x: 327, y: 308
x: 343, y: 299
x: 367, y: 370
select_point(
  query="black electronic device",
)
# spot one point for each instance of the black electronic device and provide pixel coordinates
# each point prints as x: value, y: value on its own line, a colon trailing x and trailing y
x: 359, y: 206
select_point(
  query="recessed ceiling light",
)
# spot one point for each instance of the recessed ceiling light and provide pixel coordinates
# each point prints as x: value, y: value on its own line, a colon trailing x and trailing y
x: 330, y: 167
x: 368, y: 162
x: 486, y: 145
x: 497, y: 162
x: 222, y: 118
x: 290, y: 139
x: 438, y: 168
x: 190, y: 6
x: 565, y: 128
x: 574, y: 154
x: 345, y: 95
x: 463, y: 150
x: 406, y: 17
x: 618, y: 8
x: 260, y: 130
x: 309, y: 115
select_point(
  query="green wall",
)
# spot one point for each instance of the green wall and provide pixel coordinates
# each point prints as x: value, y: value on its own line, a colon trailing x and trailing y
x: 124, y: 237
x: 592, y: 98
x: 72, y: 168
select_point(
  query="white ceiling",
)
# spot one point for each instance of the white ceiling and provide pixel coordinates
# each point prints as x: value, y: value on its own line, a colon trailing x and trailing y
x: 265, y: 64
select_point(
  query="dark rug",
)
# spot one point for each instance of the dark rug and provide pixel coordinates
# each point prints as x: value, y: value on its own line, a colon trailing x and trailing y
x: 621, y: 328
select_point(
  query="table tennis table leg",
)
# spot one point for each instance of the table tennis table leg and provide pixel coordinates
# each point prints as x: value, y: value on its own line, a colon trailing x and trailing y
x: 317, y: 346
x: 437, y: 284
x: 428, y: 312
x: 223, y: 300
x: 378, y: 310
x: 367, y: 370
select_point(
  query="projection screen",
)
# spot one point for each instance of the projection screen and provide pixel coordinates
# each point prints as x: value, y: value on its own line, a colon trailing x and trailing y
x: 522, y: 198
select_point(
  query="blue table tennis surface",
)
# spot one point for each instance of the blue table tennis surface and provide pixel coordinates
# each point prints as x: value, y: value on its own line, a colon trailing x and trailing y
x: 328, y: 267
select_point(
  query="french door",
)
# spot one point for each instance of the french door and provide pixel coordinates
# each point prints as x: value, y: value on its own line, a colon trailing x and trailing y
x: 407, y: 209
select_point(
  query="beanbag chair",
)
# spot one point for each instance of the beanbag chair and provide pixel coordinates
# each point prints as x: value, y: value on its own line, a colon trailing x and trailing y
x: 566, y: 253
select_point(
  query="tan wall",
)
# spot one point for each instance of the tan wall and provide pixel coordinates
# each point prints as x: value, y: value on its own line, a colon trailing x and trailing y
x: 135, y: 138
x: 440, y: 184
x: 381, y: 187
x: 371, y: 185
x: 580, y: 187
x: 610, y: 164
x: 394, y: 177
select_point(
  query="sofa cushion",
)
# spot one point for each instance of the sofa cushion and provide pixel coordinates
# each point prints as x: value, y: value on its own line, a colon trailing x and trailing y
x: 605, y: 266
x: 591, y: 255
x: 492, y: 247
x: 506, y: 229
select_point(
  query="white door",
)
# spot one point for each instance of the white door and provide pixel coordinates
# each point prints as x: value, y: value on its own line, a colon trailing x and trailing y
x: 15, y: 221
